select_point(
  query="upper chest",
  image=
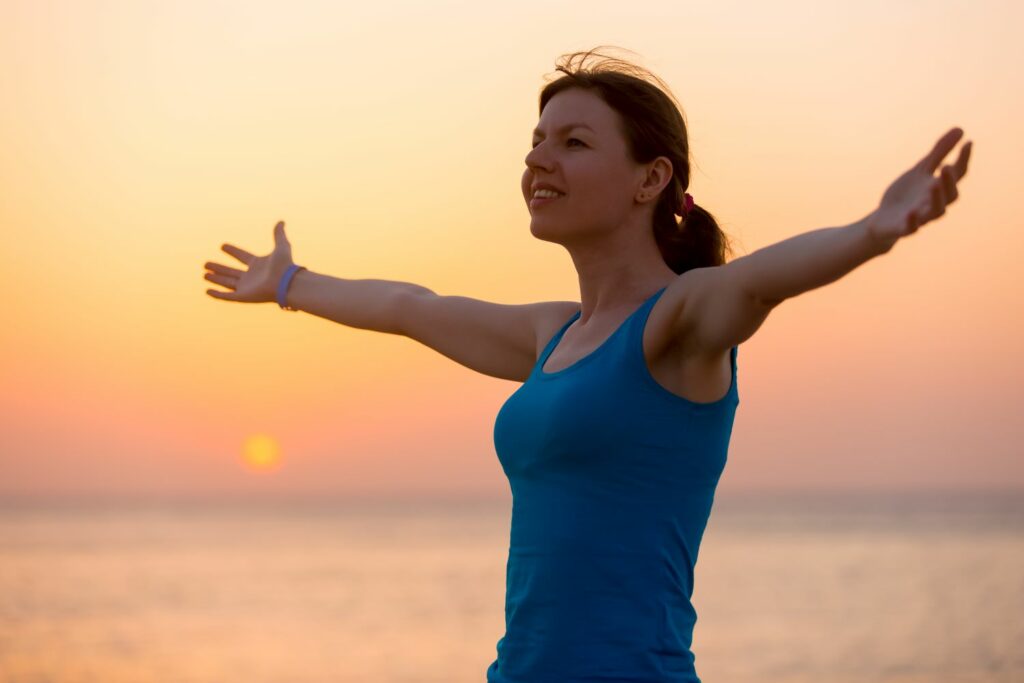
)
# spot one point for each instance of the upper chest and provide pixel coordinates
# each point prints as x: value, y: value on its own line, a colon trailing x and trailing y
x: 669, y: 360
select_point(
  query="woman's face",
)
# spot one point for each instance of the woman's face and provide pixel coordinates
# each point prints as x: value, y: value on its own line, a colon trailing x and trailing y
x: 588, y: 162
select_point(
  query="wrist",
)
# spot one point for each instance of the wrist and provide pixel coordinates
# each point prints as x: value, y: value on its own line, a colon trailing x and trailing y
x: 284, y: 284
x: 879, y: 242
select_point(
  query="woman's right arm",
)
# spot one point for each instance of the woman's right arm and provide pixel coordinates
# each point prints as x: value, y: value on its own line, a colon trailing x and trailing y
x: 499, y: 340
x: 367, y: 304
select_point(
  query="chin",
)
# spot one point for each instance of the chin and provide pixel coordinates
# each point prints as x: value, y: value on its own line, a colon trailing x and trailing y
x: 538, y: 229
x: 546, y: 230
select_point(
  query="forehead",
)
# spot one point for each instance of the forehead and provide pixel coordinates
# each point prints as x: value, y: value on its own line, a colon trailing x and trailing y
x: 574, y: 108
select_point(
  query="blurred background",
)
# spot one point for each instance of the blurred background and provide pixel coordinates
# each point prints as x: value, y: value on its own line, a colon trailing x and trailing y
x: 200, y: 490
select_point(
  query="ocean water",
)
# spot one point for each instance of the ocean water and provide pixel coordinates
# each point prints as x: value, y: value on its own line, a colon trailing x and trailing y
x: 788, y: 589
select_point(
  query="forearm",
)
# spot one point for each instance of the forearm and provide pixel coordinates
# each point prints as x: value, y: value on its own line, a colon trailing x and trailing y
x: 366, y: 304
x: 807, y: 261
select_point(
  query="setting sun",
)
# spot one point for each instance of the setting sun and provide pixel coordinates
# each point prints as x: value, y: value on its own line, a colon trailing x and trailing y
x: 261, y: 452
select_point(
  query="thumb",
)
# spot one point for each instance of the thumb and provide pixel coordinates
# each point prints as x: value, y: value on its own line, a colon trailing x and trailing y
x: 279, y: 236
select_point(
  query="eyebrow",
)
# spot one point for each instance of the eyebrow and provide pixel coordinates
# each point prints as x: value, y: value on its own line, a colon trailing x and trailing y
x: 566, y: 127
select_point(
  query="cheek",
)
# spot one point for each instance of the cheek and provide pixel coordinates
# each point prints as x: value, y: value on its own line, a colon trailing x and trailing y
x: 601, y: 189
x: 612, y: 184
x: 595, y: 177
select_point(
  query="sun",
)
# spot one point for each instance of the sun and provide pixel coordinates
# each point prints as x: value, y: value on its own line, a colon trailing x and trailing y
x: 261, y: 452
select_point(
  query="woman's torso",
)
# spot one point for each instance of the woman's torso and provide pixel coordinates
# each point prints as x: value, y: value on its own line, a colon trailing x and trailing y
x: 612, y: 479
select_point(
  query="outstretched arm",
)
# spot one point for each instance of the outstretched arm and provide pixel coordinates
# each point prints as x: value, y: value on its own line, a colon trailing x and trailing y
x: 725, y: 305
x: 807, y: 261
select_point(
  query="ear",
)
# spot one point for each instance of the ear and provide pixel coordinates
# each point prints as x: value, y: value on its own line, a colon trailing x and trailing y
x: 656, y: 176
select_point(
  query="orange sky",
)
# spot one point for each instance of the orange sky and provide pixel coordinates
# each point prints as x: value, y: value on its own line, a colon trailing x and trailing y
x: 138, y: 137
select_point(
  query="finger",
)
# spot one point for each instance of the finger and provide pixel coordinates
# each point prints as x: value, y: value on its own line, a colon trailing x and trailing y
x: 279, y: 235
x: 912, y: 222
x: 217, y: 294
x: 230, y: 282
x: 943, y: 147
x: 961, y: 162
x: 240, y: 254
x: 938, y: 207
x: 949, y: 184
x: 223, y: 270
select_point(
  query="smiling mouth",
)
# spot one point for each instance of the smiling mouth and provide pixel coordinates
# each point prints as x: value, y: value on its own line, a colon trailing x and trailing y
x: 540, y: 201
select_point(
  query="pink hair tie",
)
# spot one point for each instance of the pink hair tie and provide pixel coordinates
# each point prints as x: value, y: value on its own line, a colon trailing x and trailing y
x: 687, y: 204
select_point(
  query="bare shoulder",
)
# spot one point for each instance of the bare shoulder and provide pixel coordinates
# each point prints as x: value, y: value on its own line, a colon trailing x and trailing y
x: 549, y: 317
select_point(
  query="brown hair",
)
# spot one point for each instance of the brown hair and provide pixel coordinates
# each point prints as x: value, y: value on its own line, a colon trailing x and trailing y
x: 653, y: 126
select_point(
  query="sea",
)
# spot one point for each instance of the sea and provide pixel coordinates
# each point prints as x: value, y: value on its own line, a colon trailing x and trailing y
x: 789, y: 588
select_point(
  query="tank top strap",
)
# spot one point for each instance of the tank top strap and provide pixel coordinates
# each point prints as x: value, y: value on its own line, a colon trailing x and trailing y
x: 550, y: 346
x: 639, y: 319
x: 633, y: 341
x: 636, y: 347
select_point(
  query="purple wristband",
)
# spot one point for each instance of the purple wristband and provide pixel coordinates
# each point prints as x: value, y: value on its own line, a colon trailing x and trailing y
x: 282, y: 287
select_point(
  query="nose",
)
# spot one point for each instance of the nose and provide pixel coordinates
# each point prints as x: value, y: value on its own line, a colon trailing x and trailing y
x: 536, y: 157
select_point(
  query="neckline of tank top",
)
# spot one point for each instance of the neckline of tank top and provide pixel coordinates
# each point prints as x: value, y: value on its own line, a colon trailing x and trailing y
x: 553, y: 344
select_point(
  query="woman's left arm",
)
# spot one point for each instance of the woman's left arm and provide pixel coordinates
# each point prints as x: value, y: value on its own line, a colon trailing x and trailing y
x: 725, y: 305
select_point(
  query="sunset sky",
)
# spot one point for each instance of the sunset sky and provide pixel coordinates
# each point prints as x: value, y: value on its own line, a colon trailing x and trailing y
x: 137, y: 137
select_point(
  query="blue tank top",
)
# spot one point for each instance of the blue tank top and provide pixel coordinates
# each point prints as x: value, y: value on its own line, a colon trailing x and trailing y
x: 612, y: 479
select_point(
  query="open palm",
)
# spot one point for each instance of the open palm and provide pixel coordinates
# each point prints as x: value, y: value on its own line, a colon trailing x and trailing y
x: 259, y: 282
x: 917, y: 196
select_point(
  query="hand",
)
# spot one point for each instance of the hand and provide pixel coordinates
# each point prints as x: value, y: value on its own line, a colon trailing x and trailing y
x: 259, y: 282
x: 917, y: 196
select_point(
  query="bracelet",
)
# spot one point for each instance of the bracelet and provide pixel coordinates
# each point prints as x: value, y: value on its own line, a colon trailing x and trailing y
x: 282, y: 287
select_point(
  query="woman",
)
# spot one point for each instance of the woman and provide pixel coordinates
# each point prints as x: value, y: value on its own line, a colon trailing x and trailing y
x: 616, y: 440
